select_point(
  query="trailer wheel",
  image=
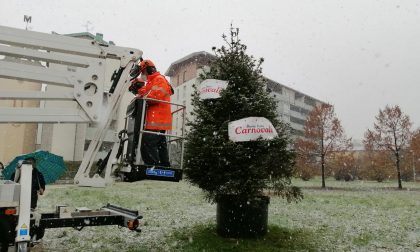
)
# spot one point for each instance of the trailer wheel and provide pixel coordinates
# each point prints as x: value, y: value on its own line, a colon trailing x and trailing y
x: 38, y: 233
x: 4, y: 234
x: 22, y: 247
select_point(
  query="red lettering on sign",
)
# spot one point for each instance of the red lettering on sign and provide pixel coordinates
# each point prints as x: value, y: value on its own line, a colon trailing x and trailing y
x: 240, y: 130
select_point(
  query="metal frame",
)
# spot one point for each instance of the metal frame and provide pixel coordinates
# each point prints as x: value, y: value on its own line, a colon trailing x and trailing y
x: 80, y: 63
x: 25, y: 180
x: 36, y: 225
x: 83, y: 64
x: 142, y: 130
x: 82, y: 177
x: 107, y: 215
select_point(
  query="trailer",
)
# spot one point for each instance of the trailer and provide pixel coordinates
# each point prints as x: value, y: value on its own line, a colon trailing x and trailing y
x: 21, y: 227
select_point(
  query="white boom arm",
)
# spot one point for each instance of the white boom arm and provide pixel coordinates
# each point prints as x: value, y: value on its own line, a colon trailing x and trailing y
x: 83, y: 66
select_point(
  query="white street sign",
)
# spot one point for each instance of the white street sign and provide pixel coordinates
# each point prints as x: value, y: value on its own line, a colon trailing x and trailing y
x: 251, y: 128
x: 211, y: 88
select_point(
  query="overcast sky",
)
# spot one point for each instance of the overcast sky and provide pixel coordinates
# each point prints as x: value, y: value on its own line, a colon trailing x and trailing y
x: 358, y: 55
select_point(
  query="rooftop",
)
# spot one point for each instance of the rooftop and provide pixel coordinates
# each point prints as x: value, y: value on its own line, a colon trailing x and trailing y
x: 99, y: 37
x: 189, y: 58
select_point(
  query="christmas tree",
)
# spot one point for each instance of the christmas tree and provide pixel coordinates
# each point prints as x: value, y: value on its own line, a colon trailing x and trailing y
x: 220, y: 166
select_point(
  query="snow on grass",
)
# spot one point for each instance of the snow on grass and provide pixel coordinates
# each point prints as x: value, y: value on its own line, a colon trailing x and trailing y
x: 165, y: 207
x: 361, y: 216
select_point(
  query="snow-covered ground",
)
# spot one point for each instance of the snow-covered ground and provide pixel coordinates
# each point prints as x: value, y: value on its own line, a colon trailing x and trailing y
x: 360, y: 216
x: 165, y: 207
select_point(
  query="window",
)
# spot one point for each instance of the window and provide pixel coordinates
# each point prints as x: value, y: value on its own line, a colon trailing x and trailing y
x: 304, y: 111
x: 184, y: 92
x: 294, y: 108
x: 184, y: 79
x: 298, y: 132
x: 177, y: 80
x: 87, y: 142
x: 299, y: 109
x: 298, y: 95
x: 297, y: 120
x: 310, y: 101
x: 274, y: 87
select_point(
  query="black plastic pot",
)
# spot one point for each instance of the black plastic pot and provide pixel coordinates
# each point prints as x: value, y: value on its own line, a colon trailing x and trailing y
x: 242, y: 218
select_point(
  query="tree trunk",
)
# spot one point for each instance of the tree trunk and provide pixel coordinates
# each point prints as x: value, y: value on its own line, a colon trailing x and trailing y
x: 323, y: 171
x: 398, y: 171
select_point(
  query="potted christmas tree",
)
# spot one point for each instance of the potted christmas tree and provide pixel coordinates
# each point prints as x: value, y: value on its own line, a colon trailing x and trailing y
x: 237, y: 174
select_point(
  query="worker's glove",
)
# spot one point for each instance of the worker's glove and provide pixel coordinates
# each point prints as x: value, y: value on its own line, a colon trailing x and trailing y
x: 136, y: 84
x: 135, y: 71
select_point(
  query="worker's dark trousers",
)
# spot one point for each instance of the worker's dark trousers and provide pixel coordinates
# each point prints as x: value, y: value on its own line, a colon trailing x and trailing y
x: 34, y: 199
x: 154, y: 150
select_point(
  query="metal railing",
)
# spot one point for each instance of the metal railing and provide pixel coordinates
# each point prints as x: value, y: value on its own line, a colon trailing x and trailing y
x: 172, y: 138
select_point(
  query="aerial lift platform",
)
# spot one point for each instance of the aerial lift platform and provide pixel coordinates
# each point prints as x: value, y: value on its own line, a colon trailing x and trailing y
x: 84, y: 65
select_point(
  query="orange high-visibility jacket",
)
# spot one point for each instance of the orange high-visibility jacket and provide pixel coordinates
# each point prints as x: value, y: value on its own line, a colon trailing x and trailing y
x: 158, y: 114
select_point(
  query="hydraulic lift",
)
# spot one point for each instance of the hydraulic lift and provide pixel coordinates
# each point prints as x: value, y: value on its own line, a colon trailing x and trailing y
x: 82, y: 67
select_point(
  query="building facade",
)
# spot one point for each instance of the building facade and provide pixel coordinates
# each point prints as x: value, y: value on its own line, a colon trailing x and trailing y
x: 18, y: 138
x: 293, y: 106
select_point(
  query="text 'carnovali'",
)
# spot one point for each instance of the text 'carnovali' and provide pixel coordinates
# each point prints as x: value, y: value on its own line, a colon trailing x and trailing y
x: 240, y: 130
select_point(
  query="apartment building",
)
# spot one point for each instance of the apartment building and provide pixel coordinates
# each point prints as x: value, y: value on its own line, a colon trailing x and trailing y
x: 293, y: 107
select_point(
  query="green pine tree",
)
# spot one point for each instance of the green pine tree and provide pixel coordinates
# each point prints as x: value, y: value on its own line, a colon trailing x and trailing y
x: 220, y: 166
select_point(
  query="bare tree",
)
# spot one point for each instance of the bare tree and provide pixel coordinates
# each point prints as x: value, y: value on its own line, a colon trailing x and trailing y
x: 391, y: 133
x: 323, y: 136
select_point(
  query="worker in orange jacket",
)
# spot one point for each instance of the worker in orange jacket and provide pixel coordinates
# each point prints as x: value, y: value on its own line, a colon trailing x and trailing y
x: 158, y: 118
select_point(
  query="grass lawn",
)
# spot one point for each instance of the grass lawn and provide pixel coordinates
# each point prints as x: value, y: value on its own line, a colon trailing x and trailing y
x: 348, y: 216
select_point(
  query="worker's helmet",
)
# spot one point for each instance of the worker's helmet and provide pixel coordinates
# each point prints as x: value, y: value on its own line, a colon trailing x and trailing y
x: 148, y: 66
